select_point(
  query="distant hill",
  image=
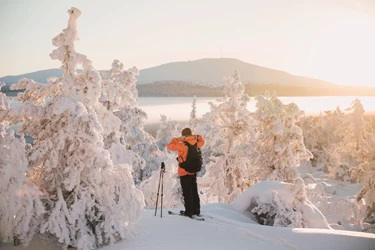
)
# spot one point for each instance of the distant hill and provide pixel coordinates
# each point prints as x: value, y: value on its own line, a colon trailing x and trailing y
x: 204, y: 77
x: 204, y: 71
x: 38, y: 76
x: 211, y: 72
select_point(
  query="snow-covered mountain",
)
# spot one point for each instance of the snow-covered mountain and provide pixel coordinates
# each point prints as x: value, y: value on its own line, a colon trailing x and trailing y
x: 206, y: 71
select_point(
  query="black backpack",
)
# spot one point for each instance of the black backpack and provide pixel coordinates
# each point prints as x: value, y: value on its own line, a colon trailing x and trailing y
x: 194, y: 161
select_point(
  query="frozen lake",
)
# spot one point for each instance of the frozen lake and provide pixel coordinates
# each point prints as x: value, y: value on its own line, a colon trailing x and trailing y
x: 179, y: 108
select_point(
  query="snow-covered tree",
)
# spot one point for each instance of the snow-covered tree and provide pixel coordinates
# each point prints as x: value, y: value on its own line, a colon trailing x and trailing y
x: 279, y: 146
x: 320, y: 139
x: 314, y: 139
x: 4, y: 100
x: 118, y: 87
x: 120, y: 96
x: 147, y: 157
x: 20, y: 205
x: 89, y: 202
x: 332, y: 120
x: 231, y: 123
x: 166, y: 131
x: 356, y: 144
x: 354, y: 126
x: 231, y: 116
x: 193, y: 114
x: 280, y: 204
x: 365, y: 173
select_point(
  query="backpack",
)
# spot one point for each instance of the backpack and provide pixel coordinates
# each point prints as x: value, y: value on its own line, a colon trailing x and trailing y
x: 194, y: 161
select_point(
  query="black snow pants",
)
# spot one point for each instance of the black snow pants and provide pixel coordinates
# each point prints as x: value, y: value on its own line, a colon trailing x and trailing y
x: 190, y: 193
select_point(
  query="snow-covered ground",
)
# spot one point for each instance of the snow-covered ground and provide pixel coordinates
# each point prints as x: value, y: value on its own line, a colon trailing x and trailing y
x: 224, y: 228
x: 228, y: 229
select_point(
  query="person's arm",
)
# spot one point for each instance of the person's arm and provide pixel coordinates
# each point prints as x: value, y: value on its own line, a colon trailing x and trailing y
x: 176, y: 145
x: 200, y: 141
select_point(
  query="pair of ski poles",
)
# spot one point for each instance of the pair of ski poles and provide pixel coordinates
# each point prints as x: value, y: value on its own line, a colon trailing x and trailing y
x: 162, y: 171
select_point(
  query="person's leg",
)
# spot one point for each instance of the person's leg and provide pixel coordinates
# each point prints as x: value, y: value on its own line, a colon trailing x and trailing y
x: 196, y: 200
x: 187, y: 193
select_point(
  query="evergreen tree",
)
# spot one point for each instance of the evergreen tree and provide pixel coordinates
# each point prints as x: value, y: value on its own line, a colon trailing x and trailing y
x: 280, y: 204
x: 167, y: 130
x: 360, y: 139
x: 356, y: 143
x: 226, y: 127
x: 278, y: 147
x: 89, y: 202
x: 319, y: 138
x: 365, y: 173
x: 121, y: 97
x: 20, y: 204
x: 193, y: 114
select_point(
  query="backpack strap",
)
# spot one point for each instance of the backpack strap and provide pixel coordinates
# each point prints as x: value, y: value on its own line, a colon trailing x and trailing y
x: 189, y: 145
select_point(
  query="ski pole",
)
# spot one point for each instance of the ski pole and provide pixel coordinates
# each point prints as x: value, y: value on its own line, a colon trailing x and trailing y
x: 162, y: 182
x: 157, y: 196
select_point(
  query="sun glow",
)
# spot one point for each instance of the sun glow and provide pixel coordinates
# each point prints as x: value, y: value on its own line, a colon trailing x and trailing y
x: 343, y: 53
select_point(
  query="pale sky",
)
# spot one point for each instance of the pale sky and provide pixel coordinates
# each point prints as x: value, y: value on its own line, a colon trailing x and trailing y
x: 332, y: 40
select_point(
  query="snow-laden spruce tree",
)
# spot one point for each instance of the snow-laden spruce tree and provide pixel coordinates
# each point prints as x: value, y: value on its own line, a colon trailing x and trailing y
x: 314, y: 139
x: 4, y: 100
x: 118, y: 87
x: 356, y: 145
x: 231, y: 116
x: 167, y: 130
x: 319, y: 137
x: 20, y: 205
x: 193, y: 113
x: 331, y: 121
x: 193, y: 121
x: 121, y: 96
x: 280, y: 204
x: 89, y: 202
x: 364, y: 154
x: 224, y: 177
x: 278, y: 147
x: 365, y: 174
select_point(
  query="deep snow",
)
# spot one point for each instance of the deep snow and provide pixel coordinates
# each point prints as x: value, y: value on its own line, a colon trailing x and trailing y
x: 226, y: 229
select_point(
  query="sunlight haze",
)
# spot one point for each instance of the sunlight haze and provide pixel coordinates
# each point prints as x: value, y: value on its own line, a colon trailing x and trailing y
x: 330, y: 40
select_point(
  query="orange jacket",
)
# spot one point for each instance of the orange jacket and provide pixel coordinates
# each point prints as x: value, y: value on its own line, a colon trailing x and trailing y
x: 177, y: 144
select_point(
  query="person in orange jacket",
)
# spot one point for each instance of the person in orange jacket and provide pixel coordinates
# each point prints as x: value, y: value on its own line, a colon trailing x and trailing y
x: 188, y: 180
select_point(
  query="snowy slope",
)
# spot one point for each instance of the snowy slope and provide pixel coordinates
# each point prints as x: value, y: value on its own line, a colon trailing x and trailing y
x: 230, y: 230
x: 226, y: 229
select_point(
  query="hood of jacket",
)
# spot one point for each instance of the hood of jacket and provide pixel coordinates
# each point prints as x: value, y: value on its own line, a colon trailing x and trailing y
x: 191, y: 139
